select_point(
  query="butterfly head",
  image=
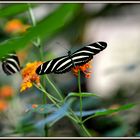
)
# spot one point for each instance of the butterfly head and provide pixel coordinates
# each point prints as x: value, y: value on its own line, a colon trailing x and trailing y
x: 69, y: 53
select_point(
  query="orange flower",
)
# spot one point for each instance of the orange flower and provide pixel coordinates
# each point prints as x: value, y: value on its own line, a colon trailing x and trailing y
x: 84, y: 68
x: 3, y: 105
x: 34, y: 105
x: 6, y: 91
x: 15, y: 26
x: 29, y: 75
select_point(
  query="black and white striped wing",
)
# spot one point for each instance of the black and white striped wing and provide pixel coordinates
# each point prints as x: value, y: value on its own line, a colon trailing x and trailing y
x: 10, y: 64
x: 57, y: 65
x: 85, y: 54
x: 64, y: 64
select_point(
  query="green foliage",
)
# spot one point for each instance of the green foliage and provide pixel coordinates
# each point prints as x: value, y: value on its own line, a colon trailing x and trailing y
x: 44, y: 29
x: 49, y: 108
x: 57, y: 115
x: 82, y: 94
x: 89, y: 112
x: 13, y: 9
x: 110, y: 111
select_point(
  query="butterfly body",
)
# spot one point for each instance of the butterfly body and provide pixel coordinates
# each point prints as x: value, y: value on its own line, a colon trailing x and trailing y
x: 65, y: 63
x: 10, y: 64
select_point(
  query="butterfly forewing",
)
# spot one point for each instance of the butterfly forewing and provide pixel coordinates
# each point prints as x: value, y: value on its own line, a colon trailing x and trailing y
x: 64, y: 67
x: 51, y: 66
x: 91, y: 49
x: 86, y: 53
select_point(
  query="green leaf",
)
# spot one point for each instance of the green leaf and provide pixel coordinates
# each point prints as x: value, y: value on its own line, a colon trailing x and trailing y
x: 82, y: 94
x: 110, y: 111
x: 13, y: 9
x: 57, y: 115
x: 44, y: 29
x: 89, y: 112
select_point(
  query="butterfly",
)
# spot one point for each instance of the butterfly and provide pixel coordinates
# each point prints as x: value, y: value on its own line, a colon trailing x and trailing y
x: 65, y: 63
x: 10, y: 64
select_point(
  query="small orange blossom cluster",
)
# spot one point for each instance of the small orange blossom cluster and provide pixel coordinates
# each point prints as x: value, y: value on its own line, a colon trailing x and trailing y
x: 84, y: 68
x: 15, y: 26
x: 6, y: 92
x: 34, y: 105
x: 29, y: 75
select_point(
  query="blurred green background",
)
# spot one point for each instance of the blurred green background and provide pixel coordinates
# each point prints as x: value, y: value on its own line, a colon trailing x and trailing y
x: 62, y: 27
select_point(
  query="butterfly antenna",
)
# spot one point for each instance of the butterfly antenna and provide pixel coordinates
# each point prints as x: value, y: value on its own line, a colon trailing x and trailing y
x: 58, y: 43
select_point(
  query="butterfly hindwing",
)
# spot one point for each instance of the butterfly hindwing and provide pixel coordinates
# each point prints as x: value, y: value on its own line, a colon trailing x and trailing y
x: 10, y: 64
x: 82, y: 61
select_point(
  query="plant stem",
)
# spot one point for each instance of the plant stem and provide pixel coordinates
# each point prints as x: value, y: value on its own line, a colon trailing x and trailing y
x: 82, y: 129
x: 41, y: 52
x: 31, y: 15
x: 37, y: 43
x: 88, y: 118
x: 81, y: 106
x: 33, y: 20
x: 70, y: 114
x: 45, y: 91
x: 85, y: 130
x: 59, y: 94
x: 53, y: 101
x: 79, y: 87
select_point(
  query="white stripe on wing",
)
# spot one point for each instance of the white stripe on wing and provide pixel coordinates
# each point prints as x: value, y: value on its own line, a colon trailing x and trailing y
x: 5, y: 69
x: 48, y: 65
x: 65, y: 68
x: 84, y: 51
x: 65, y: 63
x: 58, y: 62
x: 92, y: 47
x: 100, y: 44
x: 78, y: 57
x: 15, y: 62
x: 12, y: 67
x: 41, y: 66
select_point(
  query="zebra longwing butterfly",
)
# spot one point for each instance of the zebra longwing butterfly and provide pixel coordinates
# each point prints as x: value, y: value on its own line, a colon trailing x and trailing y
x: 65, y: 63
x: 10, y: 64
